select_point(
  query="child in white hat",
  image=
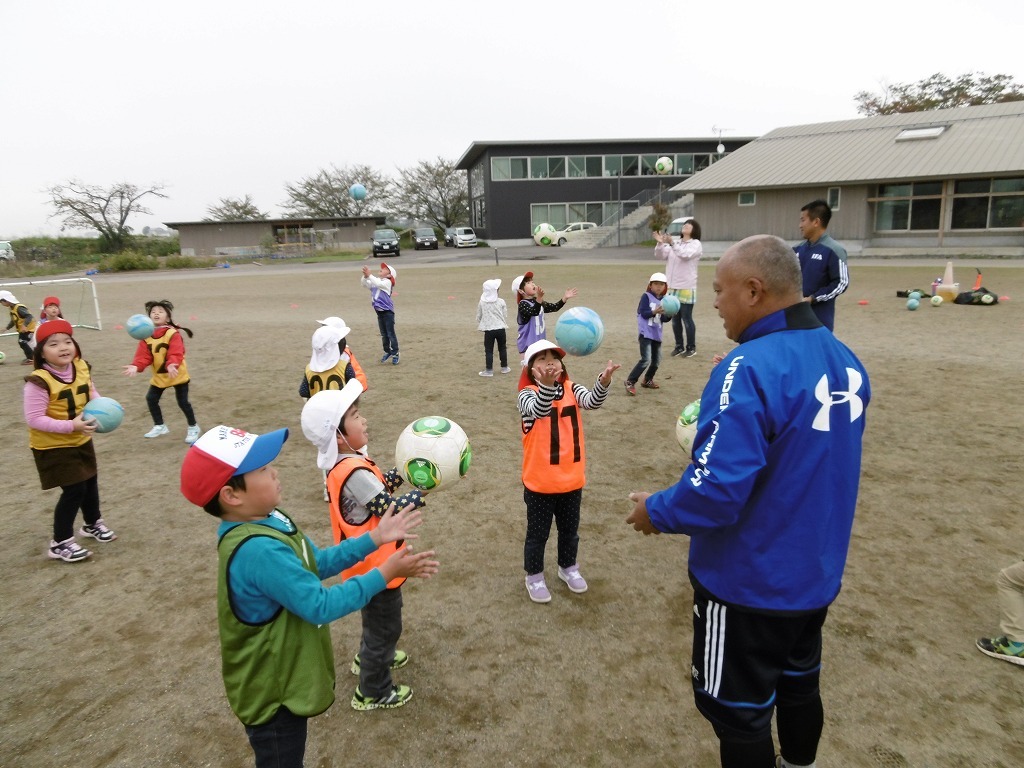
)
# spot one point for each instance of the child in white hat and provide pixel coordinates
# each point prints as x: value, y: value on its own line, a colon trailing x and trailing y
x: 381, y: 287
x: 649, y: 319
x: 492, y: 319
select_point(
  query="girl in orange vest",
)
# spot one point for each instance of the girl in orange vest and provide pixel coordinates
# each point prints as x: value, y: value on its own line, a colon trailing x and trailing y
x: 360, y: 494
x: 554, y: 461
x: 165, y: 351
x: 55, y: 394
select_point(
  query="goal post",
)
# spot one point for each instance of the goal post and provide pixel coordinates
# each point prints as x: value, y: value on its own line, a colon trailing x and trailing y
x: 78, y: 301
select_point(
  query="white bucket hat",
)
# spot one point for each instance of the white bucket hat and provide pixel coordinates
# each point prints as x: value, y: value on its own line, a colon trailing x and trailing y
x: 336, y: 322
x: 658, y: 277
x: 325, y: 348
x: 321, y: 419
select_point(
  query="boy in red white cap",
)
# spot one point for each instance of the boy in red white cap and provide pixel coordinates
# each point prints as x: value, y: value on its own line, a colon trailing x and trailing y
x: 273, y: 610
x: 381, y: 287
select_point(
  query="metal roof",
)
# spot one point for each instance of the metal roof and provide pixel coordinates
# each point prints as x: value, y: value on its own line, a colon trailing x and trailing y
x: 984, y: 140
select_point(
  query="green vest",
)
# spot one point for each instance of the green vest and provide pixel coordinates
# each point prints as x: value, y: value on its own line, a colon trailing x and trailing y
x: 285, y: 661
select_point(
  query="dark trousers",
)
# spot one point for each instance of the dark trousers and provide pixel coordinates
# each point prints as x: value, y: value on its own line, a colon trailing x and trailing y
x: 25, y: 342
x: 382, y: 627
x: 650, y: 358
x: 490, y: 337
x: 564, y: 508
x: 281, y: 742
x: 180, y: 394
x: 386, y: 326
x: 683, y: 320
x: 85, y: 496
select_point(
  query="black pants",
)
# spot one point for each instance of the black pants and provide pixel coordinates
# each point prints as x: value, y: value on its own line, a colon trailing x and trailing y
x: 490, y: 337
x: 382, y: 627
x: 181, y: 395
x: 25, y: 342
x: 564, y: 508
x: 85, y: 496
x: 280, y: 742
x: 683, y: 320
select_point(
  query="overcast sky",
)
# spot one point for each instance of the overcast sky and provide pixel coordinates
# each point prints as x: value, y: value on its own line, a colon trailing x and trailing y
x: 224, y: 98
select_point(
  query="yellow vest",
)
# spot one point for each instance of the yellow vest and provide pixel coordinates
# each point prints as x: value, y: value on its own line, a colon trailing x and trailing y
x: 332, y: 378
x: 158, y: 349
x: 19, y: 322
x: 66, y: 401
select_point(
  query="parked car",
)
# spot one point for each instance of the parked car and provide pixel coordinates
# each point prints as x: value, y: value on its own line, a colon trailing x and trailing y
x: 6, y: 251
x: 676, y: 227
x: 449, y: 236
x: 464, y: 237
x: 423, y: 238
x: 385, y: 241
x: 569, y: 231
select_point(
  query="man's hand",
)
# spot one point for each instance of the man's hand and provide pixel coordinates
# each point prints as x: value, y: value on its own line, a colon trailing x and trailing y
x: 638, y: 518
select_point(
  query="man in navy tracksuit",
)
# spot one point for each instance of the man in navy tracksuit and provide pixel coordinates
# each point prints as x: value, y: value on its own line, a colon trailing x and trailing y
x: 822, y: 262
x: 768, y: 504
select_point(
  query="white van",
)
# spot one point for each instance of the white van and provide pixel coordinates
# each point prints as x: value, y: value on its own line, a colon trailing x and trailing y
x: 676, y: 227
x: 6, y: 251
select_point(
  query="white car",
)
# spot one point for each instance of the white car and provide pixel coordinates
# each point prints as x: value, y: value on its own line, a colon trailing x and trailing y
x: 676, y: 227
x: 6, y: 251
x: 569, y: 231
x: 464, y: 237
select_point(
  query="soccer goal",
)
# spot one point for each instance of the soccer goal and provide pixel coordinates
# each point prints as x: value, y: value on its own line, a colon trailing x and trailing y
x: 78, y: 301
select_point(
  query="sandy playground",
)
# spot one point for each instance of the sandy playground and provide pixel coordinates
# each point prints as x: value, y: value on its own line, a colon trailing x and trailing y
x: 115, y: 661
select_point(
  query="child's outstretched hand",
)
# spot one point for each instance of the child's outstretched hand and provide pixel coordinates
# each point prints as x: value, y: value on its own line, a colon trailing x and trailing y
x: 570, y: 293
x: 366, y: 271
x: 395, y: 526
x: 409, y: 565
x: 130, y: 370
x: 546, y: 372
x: 606, y: 375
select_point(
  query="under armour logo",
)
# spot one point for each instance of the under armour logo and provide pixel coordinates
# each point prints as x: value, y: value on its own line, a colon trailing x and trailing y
x: 828, y: 398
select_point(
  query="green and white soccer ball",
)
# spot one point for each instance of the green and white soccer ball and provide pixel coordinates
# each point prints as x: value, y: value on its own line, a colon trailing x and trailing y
x: 686, y: 426
x: 543, y: 234
x: 2, y: 358
x: 663, y: 165
x: 433, y: 453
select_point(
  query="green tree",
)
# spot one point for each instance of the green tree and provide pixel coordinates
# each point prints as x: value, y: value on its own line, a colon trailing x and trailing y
x: 102, y: 209
x: 940, y: 92
x: 326, y: 194
x: 433, y: 192
x: 235, y: 209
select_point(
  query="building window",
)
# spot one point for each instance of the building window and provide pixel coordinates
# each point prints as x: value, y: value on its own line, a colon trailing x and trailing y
x: 517, y: 168
x: 700, y: 162
x: 500, y: 169
x: 548, y: 213
x: 480, y: 213
x: 746, y: 198
x: 833, y: 198
x: 684, y: 165
x: 630, y: 165
x: 913, y: 206
x: 988, y: 204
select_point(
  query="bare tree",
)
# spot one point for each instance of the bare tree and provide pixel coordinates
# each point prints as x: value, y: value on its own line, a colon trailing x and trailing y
x: 326, y: 194
x: 939, y: 92
x: 433, y: 192
x: 103, y: 209
x: 235, y: 209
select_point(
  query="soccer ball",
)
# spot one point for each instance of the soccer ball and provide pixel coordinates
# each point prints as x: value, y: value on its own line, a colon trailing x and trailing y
x: 936, y: 301
x: 663, y: 165
x: 686, y: 426
x: 433, y: 453
x: 358, y: 192
x: 543, y: 234
x: 579, y: 331
x: 670, y: 305
x: 139, y: 327
x: 2, y: 358
x: 912, y: 304
x: 106, y: 412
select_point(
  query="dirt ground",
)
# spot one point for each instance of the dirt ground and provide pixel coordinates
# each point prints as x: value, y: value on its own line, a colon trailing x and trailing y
x: 115, y: 661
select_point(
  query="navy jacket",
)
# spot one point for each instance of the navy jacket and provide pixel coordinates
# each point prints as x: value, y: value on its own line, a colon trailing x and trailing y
x: 823, y: 265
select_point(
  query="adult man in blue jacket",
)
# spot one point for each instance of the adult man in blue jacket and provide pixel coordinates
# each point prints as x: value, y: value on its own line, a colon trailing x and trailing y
x: 822, y: 262
x: 768, y: 504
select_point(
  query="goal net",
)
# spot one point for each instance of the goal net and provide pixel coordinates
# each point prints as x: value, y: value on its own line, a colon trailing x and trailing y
x: 78, y: 301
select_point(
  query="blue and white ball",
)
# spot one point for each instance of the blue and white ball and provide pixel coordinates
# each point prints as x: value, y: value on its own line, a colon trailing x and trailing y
x: 579, y: 331
x: 433, y: 453
x: 139, y: 327
x: 105, y: 412
x: 358, y: 192
x: 663, y: 165
x: 670, y: 305
x: 544, y: 234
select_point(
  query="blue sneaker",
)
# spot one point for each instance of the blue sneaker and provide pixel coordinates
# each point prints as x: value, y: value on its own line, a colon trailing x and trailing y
x: 394, y: 359
x: 385, y: 358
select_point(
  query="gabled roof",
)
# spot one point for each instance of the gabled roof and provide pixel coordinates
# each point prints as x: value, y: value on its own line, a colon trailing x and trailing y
x: 973, y: 141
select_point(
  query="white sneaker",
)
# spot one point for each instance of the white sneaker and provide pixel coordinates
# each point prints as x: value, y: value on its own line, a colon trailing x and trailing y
x: 506, y: 369
x: 486, y: 374
x: 157, y: 430
x: 192, y: 435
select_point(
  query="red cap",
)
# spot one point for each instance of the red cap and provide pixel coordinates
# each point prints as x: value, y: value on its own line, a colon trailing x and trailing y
x: 50, y: 300
x: 47, y: 329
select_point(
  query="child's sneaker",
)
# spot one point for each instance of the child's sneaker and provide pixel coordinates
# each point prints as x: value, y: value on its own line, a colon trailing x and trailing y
x: 401, y: 659
x: 398, y: 695
x: 631, y: 387
x: 394, y: 361
x: 157, y: 430
x: 537, y: 588
x: 98, y: 531
x: 68, y: 550
x: 1002, y: 648
x: 192, y: 435
x: 571, y: 576
x: 386, y: 357
x: 506, y: 369
x: 650, y: 385
x: 486, y: 374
